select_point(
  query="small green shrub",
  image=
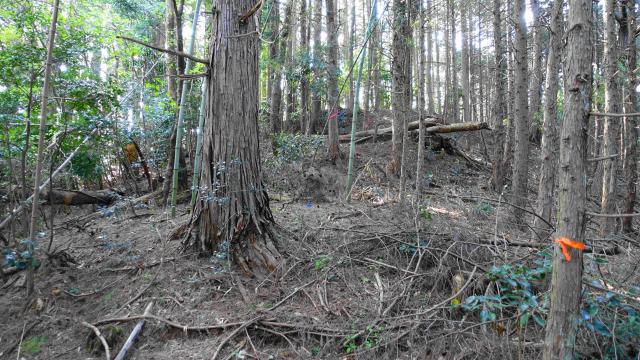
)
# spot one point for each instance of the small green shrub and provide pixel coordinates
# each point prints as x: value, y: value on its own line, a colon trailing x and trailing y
x: 33, y: 345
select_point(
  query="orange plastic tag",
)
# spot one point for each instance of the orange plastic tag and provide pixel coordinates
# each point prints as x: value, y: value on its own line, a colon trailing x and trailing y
x: 566, y: 243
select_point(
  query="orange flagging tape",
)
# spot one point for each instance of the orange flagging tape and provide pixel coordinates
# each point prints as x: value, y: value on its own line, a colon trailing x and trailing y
x: 566, y: 243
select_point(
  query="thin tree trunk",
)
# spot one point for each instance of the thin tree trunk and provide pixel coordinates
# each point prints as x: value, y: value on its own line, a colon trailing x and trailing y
x: 611, y: 131
x: 421, y: 96
x: 41, y: 135
x: 535, y: 81
x: 566, y: 280
x: 292, y: 82
x: 499, y: 106
x: 367, y: 96
x: 455, y: 95
x: 631, y: 106
x: 279, y: 51
x: 401, y: 61
x: 316, y: 99
x: 428, y: 66
x: 438, y: 106
x: 407, y: 94
x: 25, y: 150
x: 546, y: 185
x: 376, y: 39
x: 232, y: 212
x: 521, y: 114
x: 332, y: 140
x: 304, y: 81
x: 448, y: 90
x: 351, y: 31
x: 466, y: 90
x: 180, y: 125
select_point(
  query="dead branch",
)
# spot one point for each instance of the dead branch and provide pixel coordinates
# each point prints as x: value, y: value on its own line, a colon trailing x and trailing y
x: 172, y: 52
x: 248, y: 14
x: 134, y: 334
x: 230, y: 336
x: 96, y: 331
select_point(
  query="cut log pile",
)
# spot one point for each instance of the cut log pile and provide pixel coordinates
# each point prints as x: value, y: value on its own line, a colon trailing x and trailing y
x: 432, y: 126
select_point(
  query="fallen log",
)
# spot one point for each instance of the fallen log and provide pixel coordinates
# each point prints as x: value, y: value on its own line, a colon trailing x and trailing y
x: 76, y: 197
x: 381, y: 132
x: 457, y: 127
x: 432, y: 126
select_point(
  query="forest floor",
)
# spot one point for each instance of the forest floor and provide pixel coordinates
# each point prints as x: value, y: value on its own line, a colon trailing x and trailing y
x: 369, y: 278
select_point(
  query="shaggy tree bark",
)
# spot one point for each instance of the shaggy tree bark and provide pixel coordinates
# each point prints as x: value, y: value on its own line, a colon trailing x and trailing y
x: 611, y: 132
x: 232, y: 210
x: 631, y: 159
x: 546, y: 186
x: 566, y: 280
x: 332, y: 36
x: 520, y: 113
x: 400, y: 67
x: 499, y: 105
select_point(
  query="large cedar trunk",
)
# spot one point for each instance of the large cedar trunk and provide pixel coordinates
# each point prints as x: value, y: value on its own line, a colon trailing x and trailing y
x: 232, y: 209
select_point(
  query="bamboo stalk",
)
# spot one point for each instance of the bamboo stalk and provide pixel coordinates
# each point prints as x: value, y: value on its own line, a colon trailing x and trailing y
x: 352, y: 146
x: 183, y: 103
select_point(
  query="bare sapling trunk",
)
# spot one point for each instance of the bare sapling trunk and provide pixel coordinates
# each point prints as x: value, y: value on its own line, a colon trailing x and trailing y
x: 546, y: 185
x: 41, y: 135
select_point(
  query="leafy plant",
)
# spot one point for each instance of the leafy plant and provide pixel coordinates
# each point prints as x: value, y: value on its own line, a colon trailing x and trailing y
x: 515, y: 294
x: 33, y: 345
x: 368, y: 340
x: 293, y: 147
x: 485, y: 208
x: 426, y: 214
x: 614, y: 322
x: 321, y: 262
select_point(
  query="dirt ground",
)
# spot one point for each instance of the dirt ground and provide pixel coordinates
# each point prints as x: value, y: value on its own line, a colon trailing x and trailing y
x: 369, y: 278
